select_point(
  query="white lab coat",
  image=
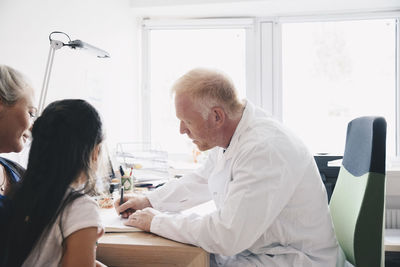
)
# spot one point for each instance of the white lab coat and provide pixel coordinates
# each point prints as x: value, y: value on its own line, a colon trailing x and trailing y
x: 272, y: 208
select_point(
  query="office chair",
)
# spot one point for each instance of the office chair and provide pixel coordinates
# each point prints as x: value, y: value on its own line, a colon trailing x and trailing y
x: 358, y: 200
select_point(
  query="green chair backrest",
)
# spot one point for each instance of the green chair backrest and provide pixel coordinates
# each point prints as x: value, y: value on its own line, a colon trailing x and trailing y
x: 358, y: 200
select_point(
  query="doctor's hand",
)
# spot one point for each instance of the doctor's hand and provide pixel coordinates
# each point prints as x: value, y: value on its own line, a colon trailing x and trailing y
x: 142, y: 218
x: 131, y: 204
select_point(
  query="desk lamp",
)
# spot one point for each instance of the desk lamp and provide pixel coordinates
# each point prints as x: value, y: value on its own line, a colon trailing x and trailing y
x: 55, y: 45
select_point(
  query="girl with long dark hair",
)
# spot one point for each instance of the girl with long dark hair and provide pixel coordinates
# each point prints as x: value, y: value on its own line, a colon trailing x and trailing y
x: 52, y: 221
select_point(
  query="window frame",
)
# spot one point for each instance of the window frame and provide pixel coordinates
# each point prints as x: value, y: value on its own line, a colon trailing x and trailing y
x: 222, y: 23
x: 263, y: 58
x: 273, y: 44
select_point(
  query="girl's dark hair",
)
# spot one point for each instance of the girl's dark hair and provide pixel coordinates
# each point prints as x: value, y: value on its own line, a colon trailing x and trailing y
x: 64, y: 137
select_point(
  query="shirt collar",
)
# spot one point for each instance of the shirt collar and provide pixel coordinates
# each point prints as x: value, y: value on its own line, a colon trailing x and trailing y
x: 242, y: 125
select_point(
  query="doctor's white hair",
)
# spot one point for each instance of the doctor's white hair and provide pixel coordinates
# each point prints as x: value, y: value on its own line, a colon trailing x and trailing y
x: 12, y: 85
x: 209, y: 88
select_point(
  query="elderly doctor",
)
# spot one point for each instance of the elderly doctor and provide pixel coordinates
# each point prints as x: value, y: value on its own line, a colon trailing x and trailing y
x: 272, y: 208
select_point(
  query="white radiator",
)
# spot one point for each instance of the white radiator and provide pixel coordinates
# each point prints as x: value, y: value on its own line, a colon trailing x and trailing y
x: 392, y: 219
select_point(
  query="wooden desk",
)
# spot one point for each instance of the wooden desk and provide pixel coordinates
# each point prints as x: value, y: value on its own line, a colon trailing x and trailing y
x: 392, y: 240
x: 146, y: 249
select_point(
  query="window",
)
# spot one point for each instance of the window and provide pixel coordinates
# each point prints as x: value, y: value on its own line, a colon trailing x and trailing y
x: 173, y: 51
x: 315, y: 76
x: 335, y: 71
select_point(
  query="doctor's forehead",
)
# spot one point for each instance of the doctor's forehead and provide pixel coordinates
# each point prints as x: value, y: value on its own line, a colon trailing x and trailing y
x: 183, y: 102
x: 186, y: 108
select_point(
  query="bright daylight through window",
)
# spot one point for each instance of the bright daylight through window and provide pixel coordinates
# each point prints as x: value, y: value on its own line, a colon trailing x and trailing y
x: 174, y: 52
x: 333, y: 72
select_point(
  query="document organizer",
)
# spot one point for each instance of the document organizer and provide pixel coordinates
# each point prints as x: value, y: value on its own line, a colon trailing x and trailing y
x: 147, y: 163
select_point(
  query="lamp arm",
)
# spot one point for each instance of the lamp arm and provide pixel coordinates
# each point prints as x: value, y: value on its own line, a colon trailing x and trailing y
x: 54, y: 45
x: 46, y: 80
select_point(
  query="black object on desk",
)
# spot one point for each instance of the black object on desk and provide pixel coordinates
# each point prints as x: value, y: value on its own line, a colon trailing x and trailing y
x: 121, y: 171
x: 121, y: 196
x: 114, y: 187
x: 144, y: 185
x: 149, y: 186
x: 328, y: 174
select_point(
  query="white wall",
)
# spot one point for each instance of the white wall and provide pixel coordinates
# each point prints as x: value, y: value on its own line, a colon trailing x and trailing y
x: 112, y: 85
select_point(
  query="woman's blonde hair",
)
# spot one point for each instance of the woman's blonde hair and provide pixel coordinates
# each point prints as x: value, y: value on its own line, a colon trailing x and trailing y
x: 209, y: 88
x: 12, y: 84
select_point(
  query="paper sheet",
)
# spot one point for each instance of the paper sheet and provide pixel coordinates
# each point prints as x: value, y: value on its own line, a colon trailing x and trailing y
x: 114, y: 223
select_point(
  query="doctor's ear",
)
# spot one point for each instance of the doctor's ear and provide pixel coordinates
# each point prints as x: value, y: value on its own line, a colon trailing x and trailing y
x: 218, y: 115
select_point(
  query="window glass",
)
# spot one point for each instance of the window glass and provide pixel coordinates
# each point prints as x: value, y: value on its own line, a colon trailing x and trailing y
x: 333, y: 72
x: 175, y: 52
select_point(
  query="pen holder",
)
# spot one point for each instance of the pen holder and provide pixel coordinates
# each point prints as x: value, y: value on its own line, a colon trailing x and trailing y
x: 126, y: 182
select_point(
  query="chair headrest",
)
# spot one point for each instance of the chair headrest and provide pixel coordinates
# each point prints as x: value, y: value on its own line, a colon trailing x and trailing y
x: 365, y: 149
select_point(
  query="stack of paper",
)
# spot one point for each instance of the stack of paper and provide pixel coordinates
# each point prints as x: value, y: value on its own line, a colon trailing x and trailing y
x: 113, y: 223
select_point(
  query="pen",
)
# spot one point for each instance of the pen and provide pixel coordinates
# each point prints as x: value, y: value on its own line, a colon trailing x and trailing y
x: 121, y: 200
x: 144, y: 185
x: 121, y: 171
x: 149, y: 186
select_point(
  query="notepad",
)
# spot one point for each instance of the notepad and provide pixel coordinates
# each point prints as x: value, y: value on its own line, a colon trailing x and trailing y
x: 115, y: 224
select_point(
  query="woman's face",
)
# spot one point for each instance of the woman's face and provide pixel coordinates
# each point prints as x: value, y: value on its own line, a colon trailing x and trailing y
x: 16, y: 122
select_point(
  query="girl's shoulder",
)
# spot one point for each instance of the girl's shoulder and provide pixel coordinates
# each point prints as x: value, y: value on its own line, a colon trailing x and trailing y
x: 82, y: 207
x: 84, y: 201
x: 83, y: 212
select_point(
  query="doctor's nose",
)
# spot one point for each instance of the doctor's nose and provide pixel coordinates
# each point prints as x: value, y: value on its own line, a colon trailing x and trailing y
x: 182, y: 128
